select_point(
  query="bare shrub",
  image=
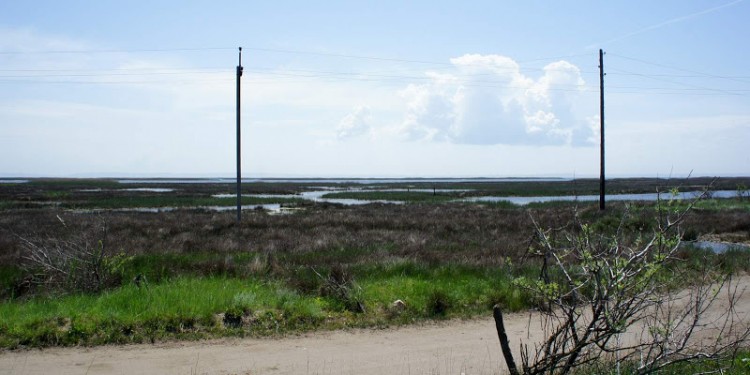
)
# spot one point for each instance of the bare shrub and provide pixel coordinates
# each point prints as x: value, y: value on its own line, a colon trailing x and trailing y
x: 73, y: 264
x: 613, y: 296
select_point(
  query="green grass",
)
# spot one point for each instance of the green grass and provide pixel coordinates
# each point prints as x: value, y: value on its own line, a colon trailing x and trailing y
x: 149, y: 202
x: 182, y: 308
x: 190, y: 307
x: 9, y: 276
x: 135, y: 201
x: 466, y: 291
x: 722, y: 204
x: 157, y: 267
x: 72, y: 183
x: 739, y: 365
x: 203, y: 295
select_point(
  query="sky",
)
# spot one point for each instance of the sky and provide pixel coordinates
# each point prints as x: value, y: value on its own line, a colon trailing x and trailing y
x: 374, y: 88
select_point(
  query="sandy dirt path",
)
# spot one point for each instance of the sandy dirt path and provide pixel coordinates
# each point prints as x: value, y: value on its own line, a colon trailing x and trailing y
x: 449, y: 347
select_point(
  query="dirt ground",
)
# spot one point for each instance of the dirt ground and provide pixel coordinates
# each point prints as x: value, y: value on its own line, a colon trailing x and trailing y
x: 449, y: 347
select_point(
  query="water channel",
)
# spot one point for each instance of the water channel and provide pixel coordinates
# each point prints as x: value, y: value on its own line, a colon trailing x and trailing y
x: 716, y: 247
x: 318, y: 196
x: 648, y: 197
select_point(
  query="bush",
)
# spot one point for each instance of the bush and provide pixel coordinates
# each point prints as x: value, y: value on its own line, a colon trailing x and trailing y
x: 73, y: 265
x: 602, y: 284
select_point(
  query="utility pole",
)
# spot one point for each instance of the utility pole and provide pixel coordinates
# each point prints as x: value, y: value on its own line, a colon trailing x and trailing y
x: 601, y: 130
x: 239, y: 168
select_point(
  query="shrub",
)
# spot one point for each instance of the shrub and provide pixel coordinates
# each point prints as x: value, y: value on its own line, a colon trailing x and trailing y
x: 73, y: 265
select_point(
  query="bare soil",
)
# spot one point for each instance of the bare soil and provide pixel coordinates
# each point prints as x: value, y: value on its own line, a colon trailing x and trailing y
x: 448, y: 347
x: 451, y: 347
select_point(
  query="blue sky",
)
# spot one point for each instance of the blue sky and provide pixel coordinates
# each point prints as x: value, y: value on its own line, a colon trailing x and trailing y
x: 373, y: 89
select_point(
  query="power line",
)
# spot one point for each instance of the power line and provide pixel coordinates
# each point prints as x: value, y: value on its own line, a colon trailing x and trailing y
x: 400, y: 80
x: 465, y: 79
x: 680, y: 83
x: 680, y: 76
x: 681, y: 69
x: 694, y: 74
x: 103, y: 74
x: 96, y: 51
x: 275, y: 50
x: 113, y: 69
x: 7, y: 81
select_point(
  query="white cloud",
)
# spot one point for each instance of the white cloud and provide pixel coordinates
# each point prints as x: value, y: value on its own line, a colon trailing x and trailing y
x: 485, y: 115
x: 488, y: 100
x: 355, y: 124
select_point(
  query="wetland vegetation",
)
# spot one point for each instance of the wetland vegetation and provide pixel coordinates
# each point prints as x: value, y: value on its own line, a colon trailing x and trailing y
x: 192, y: 273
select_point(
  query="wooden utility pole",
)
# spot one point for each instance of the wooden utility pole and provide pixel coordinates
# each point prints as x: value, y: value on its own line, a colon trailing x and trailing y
x: 601, y: 130
x: 239, y: 168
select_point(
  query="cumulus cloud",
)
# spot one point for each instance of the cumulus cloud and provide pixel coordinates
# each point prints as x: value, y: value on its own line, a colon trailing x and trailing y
x: 355, y: 124
x: 488, y: 100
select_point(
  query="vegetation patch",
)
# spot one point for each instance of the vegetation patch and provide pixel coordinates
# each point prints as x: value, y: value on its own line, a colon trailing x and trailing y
x: 396, y: 196
x: 198, y: 274
x: 198, y: 307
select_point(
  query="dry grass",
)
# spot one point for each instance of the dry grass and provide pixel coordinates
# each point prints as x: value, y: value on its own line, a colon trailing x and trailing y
x: 447, y: 233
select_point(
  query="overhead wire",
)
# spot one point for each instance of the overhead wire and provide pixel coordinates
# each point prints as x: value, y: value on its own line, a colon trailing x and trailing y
x: 691, y: 86
x: 277, y: 50
x: 97, y: 51
x: 466, y: 79
x: 703, y: 74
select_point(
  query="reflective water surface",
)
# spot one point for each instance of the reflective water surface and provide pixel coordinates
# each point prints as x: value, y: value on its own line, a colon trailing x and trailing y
x: 716, y: 247
x: 610, y: 197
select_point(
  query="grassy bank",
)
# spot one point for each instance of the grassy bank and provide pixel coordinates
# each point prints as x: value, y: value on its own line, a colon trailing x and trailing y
x: 201, y: 307
x: 202, y: 295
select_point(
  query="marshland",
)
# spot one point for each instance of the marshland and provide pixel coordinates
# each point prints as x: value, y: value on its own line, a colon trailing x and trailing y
x: 77, y: 267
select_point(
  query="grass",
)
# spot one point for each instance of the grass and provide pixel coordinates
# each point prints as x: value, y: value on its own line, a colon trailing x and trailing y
x: 9, y: 278
x: 183, y: 307
x: 397, y: 196
x: 739, y: 365
x: 722, y: 204
x: 209, y: 277
x: 199, y: 307
x: 64, y: 200
x: 72, y: 183
x: 203, y: 295
x: 586, y: 186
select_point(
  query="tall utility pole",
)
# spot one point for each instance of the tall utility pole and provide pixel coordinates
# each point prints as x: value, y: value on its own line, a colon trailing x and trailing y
x: 239, y: 168
x: 601, y: 130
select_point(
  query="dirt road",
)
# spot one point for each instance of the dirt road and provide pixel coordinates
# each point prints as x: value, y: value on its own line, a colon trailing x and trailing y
x: 450, y: 347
